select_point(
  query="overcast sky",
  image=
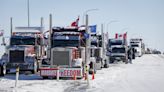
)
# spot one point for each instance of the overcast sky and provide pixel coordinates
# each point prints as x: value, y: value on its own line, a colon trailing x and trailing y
x: 140, y: 18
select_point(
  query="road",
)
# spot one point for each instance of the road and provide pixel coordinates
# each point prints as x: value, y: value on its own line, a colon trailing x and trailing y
x: 144, y: 75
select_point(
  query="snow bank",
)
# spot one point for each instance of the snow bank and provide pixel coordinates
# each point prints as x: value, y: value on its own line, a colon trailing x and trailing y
x: 144, y: 75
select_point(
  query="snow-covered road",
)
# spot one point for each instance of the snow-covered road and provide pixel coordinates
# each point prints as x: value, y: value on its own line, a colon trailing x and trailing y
x: 144, y: 75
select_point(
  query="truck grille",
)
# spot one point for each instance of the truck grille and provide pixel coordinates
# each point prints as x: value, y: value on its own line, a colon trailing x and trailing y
x: 60, y: 58
x: 16, y: 56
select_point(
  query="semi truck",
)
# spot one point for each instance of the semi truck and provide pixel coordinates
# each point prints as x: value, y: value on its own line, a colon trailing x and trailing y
x: 24, y: 50
x: 102, y: 61
x: 118, y: 50
x: 66, y: 53
x: 138, y: 45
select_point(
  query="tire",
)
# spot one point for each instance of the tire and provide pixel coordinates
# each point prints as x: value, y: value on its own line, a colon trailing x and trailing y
x: 106, y: 64
x: 3, y: 70
x: 133, y: 57
x: 101, y: 64
x: 111, y: 61
x: 0, y: 70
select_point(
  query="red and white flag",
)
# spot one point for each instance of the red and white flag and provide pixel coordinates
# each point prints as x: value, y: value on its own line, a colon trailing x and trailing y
x: 75, y: 23
x: 121, y: 36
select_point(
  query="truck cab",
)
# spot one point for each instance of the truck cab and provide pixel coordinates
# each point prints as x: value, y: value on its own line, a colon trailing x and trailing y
x: 118, y: 50
x: 24, y: 50
x: 66, y: 49
x: 136, y: 43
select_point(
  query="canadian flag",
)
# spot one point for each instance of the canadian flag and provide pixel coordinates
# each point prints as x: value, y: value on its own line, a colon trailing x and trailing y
x: 123, y: 36
x: 75, y: 23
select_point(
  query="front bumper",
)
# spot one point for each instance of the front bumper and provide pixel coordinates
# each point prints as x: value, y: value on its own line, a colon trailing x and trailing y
x: 22, y: 67
x: 118, y: 58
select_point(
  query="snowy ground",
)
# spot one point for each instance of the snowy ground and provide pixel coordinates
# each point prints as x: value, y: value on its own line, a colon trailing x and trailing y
x: 144, y: 75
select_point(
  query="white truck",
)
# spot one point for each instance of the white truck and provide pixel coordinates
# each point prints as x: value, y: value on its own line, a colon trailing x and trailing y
x: 118, y: 50
x: 137, y: 44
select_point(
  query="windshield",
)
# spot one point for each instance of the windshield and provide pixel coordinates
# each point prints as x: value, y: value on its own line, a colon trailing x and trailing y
x: 115, y: 42
x: 93, y: 43
x: 22, y: 41
x: 135, y: 45
x: 118, y: 50
x: 65, y: 41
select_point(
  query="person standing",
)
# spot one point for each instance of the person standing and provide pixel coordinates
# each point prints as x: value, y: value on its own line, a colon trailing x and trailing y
x: 130, y: 55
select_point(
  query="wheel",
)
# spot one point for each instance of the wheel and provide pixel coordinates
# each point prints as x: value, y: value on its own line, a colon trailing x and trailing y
x: 133, y: 57
x: 106, y: 64
x: 0, y: 70
x: 3, y: 70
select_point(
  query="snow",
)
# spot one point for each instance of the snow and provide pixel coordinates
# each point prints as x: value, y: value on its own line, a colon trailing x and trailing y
x: 144, y: 75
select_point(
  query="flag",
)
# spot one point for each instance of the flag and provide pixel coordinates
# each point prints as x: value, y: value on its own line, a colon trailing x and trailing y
x: 116, y: 36
x: 125, y: 35
x: 121, y: 36
x: 86, y: 35
x: 1, y: 32
x: 93, y: 28
x: 75, y: 23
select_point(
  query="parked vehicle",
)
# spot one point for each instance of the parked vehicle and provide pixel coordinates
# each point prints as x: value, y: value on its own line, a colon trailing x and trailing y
x: 118, y: 49
x: 138, y: 45
x: 97, y: 51
x: 24, y: 50
x: 67, y: 50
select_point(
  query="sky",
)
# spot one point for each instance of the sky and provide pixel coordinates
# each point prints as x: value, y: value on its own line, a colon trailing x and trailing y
x: 139, y: 18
